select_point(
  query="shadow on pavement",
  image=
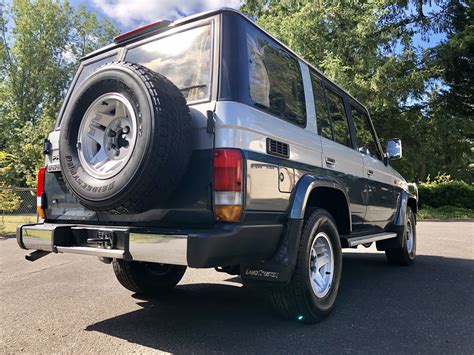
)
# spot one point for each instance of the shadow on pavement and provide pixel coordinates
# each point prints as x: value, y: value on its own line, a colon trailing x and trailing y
x: 381, y: 308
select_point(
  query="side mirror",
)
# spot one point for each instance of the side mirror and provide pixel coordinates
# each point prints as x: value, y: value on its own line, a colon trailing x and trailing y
x: 394, y: 149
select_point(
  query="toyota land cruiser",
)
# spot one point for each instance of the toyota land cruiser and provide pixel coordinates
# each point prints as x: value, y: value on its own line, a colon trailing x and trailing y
x: 207, y: 143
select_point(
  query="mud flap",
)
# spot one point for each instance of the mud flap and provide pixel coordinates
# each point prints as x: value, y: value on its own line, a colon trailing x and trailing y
x: 280, y: 267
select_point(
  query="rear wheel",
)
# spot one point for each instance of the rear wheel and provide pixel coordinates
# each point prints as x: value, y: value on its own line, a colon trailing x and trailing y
x: 311, y: 293
x: 407, y: 254
x: 150, y: 279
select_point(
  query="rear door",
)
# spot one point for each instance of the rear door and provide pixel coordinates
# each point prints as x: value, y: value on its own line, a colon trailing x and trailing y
x: 339, y: 157
x: 187, y: 55
x: 382, y: 199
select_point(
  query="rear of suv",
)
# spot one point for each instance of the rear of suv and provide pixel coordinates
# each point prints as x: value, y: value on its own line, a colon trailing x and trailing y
x: 206, y: 143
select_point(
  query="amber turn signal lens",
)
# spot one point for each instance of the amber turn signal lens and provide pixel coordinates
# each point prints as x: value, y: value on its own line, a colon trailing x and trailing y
x: 40, y: 212
x: 227, y: 213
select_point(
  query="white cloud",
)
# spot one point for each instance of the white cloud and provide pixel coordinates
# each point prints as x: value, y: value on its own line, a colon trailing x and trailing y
x: 136, y: 12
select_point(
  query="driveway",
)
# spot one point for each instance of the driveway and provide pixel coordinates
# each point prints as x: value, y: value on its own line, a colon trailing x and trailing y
x: 71, y: 303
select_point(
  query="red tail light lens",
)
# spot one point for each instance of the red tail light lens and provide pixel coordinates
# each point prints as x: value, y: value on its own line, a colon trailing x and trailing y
x: 40, y: 182
x: 228, y: 184
x: 40, y: 192
x: 227, y: 170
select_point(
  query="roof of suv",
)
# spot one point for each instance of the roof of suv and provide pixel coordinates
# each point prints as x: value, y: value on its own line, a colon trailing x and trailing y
x: 207, y: 14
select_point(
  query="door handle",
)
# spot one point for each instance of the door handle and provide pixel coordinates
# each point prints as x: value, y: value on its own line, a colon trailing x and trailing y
x: 330, y: 161
x: 370, y: 172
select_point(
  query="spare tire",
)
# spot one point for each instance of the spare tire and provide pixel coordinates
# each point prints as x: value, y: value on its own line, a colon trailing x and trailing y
x: 124, y: 141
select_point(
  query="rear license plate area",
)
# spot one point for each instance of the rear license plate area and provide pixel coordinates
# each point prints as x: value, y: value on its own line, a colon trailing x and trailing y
x: 100, y: 237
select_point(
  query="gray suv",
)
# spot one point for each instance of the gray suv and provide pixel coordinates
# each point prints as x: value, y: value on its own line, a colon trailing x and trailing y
x: 207, y: 143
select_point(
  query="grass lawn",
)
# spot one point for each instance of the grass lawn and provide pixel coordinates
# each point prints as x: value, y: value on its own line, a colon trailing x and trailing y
x: 8, y: 223
x: 445, y: 212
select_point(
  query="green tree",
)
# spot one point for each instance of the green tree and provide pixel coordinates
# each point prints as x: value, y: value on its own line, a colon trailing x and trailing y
x: 9, y: 200
x: 41, y: 43
x: 452, y: 105
x: 370, y: 49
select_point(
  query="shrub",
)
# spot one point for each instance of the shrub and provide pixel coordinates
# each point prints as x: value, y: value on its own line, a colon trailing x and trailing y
x: 9, y: 200
x: 446, y: 192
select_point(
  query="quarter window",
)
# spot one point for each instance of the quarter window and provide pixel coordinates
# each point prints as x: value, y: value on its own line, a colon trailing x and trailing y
x: 184, y: 58
x: 275, y: 80
x: 365, y: 136
x: 339, y: 119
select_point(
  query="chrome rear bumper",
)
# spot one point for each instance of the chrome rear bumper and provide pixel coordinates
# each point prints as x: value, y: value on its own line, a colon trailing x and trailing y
x: 127, y: 245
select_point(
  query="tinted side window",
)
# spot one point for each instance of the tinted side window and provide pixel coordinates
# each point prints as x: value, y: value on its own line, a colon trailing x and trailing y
x: 365, y: 137
x: 322, y: 114
x: 275, y: 80
x: 185, y: 58
x: 339, y: 119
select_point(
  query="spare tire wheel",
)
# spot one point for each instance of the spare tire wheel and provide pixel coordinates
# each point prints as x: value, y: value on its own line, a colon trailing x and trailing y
x: 124, y: 141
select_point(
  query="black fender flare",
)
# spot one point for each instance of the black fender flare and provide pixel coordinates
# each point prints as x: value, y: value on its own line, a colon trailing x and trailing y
x: 413, y: 197
x: 306, y: 184
x: 280, y: 267
x: 407, y: 199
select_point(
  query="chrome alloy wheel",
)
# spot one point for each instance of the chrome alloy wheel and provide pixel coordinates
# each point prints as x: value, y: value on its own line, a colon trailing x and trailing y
x: 410, y: 241
x: 107, y: 136
x: 321, y: 265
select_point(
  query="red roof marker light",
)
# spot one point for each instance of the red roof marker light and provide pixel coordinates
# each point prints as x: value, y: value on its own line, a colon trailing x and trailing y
x: 141, y: 30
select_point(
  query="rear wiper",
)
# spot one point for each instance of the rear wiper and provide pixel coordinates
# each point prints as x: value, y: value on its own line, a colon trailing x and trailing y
x: 187, y: 88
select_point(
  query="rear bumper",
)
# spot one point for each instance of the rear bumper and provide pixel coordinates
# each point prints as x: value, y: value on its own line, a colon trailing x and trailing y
x: 226, y: 244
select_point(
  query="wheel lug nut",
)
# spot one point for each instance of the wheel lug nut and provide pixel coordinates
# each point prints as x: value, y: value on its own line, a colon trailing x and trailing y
x: 126, y: 129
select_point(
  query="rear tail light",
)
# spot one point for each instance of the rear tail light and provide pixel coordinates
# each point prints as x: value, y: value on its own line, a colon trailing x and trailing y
x: 228, y: 184
x: 40, y: 193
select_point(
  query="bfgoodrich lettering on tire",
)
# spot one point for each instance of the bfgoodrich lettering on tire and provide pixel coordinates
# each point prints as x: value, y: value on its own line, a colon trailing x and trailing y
x: 311, y: 293
x: 124, y: 139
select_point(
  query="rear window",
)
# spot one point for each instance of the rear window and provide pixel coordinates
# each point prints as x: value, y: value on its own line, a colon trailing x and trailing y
x: 275, y: 80
x: 185, y: 58
x: 86, y: 70
x: 90, y: 68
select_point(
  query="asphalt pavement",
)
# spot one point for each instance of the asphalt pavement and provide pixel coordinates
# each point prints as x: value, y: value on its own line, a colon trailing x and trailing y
x: 72, y: 303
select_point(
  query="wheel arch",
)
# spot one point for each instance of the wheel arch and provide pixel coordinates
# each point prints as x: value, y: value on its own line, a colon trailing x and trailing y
x: 322, y: 192
x: 309, y: 192
x: 405, y: 200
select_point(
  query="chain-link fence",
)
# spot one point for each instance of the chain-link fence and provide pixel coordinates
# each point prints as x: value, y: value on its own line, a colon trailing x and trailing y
x: 17, y: 206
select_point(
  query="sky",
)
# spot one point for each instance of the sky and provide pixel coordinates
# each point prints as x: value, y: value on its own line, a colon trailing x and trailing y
x: 128, y: 14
